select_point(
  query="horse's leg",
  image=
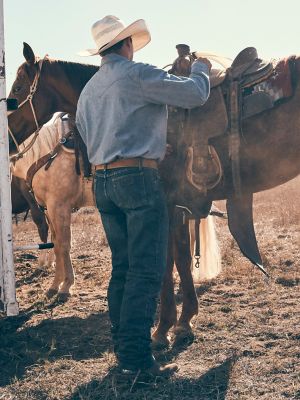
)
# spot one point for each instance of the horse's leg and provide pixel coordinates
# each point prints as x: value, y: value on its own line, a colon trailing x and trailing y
x: 183, y: 329
x: 60, y: 224
x: 59, y: 273
x: 38, y: 217
x: 168, y: 314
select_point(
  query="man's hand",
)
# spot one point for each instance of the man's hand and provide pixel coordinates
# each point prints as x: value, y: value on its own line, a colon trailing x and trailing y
x: 169, y: 150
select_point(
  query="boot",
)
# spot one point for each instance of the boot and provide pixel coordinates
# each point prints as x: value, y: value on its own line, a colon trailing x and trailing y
x: 155, y: 370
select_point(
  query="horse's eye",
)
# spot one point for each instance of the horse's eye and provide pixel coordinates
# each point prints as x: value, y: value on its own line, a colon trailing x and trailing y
x: 17, y: 89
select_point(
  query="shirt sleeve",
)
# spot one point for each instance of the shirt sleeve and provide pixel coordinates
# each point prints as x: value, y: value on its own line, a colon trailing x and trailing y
x: 162, y: 88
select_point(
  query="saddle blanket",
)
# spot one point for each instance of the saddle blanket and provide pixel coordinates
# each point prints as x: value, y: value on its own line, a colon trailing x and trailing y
x: 279, y: 84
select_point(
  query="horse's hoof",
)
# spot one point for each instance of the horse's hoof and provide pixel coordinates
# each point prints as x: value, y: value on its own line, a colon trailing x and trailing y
x: 51, y: 293
x: 183, y: 337
x: 160, y: 342
x: 63, y: 297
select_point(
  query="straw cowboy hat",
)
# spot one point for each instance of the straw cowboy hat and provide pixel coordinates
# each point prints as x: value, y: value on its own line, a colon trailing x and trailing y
x: 110, y: 30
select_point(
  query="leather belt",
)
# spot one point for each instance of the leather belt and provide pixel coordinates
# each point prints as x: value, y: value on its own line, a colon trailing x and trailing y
x: 128, y: 162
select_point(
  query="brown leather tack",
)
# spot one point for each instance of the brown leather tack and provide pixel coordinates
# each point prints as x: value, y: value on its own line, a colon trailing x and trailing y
x: 129, y: 162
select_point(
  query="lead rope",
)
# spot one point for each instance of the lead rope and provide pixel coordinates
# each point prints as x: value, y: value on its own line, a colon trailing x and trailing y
x: 29, y: 98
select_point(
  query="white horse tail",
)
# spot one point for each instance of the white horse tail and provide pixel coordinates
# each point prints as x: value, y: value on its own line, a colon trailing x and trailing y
x: 210, y: 261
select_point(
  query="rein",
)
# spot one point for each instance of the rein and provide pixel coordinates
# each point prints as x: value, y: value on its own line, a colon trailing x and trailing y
x: 29, y: 98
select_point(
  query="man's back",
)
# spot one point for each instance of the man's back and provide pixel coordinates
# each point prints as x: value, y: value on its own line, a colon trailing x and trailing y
x: 122, y: 110
x: 119, y: 122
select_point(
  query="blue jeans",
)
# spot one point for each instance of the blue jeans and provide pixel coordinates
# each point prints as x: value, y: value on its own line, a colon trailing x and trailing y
x: 133, y: 210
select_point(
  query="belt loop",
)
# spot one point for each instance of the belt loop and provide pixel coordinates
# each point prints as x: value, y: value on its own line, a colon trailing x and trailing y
x: 140, y: 163
x: 105, y: 167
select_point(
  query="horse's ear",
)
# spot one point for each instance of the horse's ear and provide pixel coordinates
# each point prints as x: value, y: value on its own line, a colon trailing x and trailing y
x: 28, y: 54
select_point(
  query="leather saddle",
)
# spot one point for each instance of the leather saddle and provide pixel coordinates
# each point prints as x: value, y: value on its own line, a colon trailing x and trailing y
x: 247, y: 67
x: 227, y: 104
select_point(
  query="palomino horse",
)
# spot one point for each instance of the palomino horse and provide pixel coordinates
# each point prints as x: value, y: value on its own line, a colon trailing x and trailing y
x: 60, y: 189
x: 269, y: 153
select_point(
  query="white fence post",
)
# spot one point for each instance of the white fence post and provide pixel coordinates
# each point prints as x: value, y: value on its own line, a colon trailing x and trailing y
x: 7, y: 273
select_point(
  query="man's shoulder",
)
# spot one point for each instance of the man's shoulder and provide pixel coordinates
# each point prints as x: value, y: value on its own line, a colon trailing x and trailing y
x: 138, y: 69
x: 91, y: 85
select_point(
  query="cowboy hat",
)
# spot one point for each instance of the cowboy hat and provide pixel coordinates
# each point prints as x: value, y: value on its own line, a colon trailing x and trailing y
x: 110, y: 30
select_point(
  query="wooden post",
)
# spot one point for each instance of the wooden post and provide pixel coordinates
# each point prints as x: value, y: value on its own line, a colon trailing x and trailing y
x: 7, y: 273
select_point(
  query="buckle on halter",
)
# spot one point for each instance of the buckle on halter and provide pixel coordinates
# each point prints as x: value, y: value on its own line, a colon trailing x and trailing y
x: 62, y: 140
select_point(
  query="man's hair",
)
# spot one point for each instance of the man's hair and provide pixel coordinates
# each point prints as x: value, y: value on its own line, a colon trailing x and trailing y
x: 113, y: 49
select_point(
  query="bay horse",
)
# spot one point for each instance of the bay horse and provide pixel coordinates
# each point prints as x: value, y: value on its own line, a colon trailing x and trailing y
x: 269, y: 155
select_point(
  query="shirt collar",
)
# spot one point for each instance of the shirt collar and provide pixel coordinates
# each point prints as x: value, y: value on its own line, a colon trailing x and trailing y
x: 113, y: 57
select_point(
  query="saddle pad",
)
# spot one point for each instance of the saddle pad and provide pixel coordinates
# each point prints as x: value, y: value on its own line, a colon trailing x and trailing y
x: 279, y: 84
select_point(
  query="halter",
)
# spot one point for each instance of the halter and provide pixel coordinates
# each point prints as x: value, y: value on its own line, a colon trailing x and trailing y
x: 29, y: 98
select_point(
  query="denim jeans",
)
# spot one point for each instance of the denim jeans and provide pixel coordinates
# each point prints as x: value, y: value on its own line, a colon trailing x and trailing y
x: 134, y: 214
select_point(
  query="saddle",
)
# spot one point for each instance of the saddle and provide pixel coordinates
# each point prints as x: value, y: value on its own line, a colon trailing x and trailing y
x: 70, y: 140
x: 231, y: 101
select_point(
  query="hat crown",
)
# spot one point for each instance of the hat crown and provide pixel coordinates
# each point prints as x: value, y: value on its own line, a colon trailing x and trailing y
x: 106, y: 29
x: 110, y: 30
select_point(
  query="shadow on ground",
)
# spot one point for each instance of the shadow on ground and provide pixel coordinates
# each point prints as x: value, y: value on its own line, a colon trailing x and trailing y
x: 52, y: 339
x: 212, y: 385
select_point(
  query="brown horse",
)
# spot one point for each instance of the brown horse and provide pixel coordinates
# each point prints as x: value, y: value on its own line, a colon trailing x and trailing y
x: 269, y: 157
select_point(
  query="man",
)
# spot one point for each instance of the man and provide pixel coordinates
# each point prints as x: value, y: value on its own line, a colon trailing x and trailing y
x: 122, y: 118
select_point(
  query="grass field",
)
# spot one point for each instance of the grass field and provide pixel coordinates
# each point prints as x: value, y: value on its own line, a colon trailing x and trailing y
x: 247, y: 333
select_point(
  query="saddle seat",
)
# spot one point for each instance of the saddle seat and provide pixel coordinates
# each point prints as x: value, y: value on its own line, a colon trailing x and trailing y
x: 247, y: 68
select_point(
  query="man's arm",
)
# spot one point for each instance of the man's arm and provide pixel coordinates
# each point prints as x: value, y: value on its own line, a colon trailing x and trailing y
x: 162, y: 88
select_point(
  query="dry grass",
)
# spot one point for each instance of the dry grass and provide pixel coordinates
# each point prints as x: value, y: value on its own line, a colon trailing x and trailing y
x: 247, y: 342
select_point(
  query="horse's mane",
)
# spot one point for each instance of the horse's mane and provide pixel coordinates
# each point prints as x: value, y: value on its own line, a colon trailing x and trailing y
x: 81, y: 71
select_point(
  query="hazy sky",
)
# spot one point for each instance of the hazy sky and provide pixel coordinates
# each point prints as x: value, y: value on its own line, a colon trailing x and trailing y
x: 62, y: 27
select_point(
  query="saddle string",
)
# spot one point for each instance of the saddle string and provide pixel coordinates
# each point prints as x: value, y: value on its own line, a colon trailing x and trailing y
x: 29, y: 98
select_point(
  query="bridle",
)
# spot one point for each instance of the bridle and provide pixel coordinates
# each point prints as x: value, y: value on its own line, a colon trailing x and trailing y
x: 32, y: 90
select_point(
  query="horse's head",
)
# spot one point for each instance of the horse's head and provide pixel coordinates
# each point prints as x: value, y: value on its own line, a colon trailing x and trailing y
x: 31, y: 90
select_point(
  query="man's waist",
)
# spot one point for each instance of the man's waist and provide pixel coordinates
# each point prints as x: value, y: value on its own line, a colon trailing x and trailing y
x: 128, y: 162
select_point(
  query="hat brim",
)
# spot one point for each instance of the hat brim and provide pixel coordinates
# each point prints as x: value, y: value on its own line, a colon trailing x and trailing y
x: 138, y: 31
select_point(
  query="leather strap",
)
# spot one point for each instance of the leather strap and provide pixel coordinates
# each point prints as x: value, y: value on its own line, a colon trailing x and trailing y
x: 36, y: 166
x: 129, y: 162
x: 197, y: 243
x: 45, y: 160
x: 234, y: 134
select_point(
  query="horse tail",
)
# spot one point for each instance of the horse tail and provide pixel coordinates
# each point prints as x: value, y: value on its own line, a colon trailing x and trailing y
x: 210, y: 261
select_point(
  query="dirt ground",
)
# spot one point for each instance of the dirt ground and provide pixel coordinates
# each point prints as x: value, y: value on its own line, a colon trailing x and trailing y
x: 247, y: 333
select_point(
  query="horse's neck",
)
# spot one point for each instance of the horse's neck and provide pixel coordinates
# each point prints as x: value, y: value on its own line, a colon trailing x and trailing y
x: 69, y: 79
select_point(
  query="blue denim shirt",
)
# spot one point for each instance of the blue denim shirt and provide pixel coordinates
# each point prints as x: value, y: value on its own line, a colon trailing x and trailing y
x: 122, y: 110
